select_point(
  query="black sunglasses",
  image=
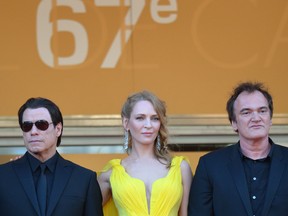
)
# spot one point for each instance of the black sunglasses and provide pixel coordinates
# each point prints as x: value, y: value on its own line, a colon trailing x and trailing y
x: 40, y: 124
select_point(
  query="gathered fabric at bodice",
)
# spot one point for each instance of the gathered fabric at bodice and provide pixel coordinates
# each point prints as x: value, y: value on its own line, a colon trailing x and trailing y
x: 129, y: 194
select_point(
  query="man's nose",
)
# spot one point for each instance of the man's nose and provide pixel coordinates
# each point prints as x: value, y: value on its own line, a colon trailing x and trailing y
x: 34, y: 129
x: 255, y: 116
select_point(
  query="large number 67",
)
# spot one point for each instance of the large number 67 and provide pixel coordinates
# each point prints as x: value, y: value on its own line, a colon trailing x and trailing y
x: 44, y: 29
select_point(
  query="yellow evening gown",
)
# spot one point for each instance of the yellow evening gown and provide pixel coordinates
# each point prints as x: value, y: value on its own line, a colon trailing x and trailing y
x: 129, y: 194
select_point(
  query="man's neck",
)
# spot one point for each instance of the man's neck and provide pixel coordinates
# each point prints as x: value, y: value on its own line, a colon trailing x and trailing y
x: 255, y: 149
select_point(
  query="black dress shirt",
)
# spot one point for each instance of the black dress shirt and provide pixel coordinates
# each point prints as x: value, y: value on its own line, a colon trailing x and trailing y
x: 257, y: 175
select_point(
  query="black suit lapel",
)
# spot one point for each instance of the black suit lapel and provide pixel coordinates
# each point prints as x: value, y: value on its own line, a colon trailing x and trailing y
x: 276, y: 171
x: 24, y: 174
x: 63, y: 172
x: 237, y: 171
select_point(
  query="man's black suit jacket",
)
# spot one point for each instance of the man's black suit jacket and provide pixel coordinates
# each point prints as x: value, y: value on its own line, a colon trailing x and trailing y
x: 75, y: 190
x: 219, y: 186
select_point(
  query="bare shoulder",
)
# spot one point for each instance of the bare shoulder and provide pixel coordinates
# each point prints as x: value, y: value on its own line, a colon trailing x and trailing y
x: 185, y: 166
x: 186, y: 171
x: 105, y: 176
x: 105, y: 173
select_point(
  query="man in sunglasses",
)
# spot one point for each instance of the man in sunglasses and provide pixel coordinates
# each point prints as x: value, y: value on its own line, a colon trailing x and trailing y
x: 42, y: 182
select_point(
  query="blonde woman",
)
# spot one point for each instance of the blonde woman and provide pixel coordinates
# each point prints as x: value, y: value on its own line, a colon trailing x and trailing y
x: 149, y: 181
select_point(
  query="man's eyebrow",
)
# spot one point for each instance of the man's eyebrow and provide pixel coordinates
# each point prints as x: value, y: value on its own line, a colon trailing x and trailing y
x: 245, y: 109
x: 249, y: 109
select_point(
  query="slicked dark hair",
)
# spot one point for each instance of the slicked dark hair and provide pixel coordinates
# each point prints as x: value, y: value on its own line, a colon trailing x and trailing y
x: 53, y: 109
x: 249, y: 87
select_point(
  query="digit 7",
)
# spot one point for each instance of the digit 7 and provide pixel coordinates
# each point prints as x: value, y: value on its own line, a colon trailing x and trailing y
x: 131, y: 18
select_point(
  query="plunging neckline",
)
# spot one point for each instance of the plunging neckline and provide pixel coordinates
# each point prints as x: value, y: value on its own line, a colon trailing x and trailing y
x: 144, y: 185
x: 129, y: 194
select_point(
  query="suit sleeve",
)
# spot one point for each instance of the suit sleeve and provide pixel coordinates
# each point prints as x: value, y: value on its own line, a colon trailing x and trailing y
x: 93, y: 205
x: 200, y: 198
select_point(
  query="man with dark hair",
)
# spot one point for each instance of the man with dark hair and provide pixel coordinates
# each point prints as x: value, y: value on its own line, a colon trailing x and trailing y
x: 41, y: 182
x: 247, y: 178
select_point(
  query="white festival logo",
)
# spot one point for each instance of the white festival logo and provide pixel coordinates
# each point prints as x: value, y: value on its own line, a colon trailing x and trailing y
x: 44, y: 29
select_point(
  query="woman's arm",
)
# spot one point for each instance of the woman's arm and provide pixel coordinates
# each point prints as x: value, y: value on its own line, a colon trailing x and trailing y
x: 104, y: 182
x: 187, y: 177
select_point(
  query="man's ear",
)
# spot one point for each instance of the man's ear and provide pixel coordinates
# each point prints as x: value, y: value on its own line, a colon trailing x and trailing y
x: 59, y: 128
x: 234, y: 126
